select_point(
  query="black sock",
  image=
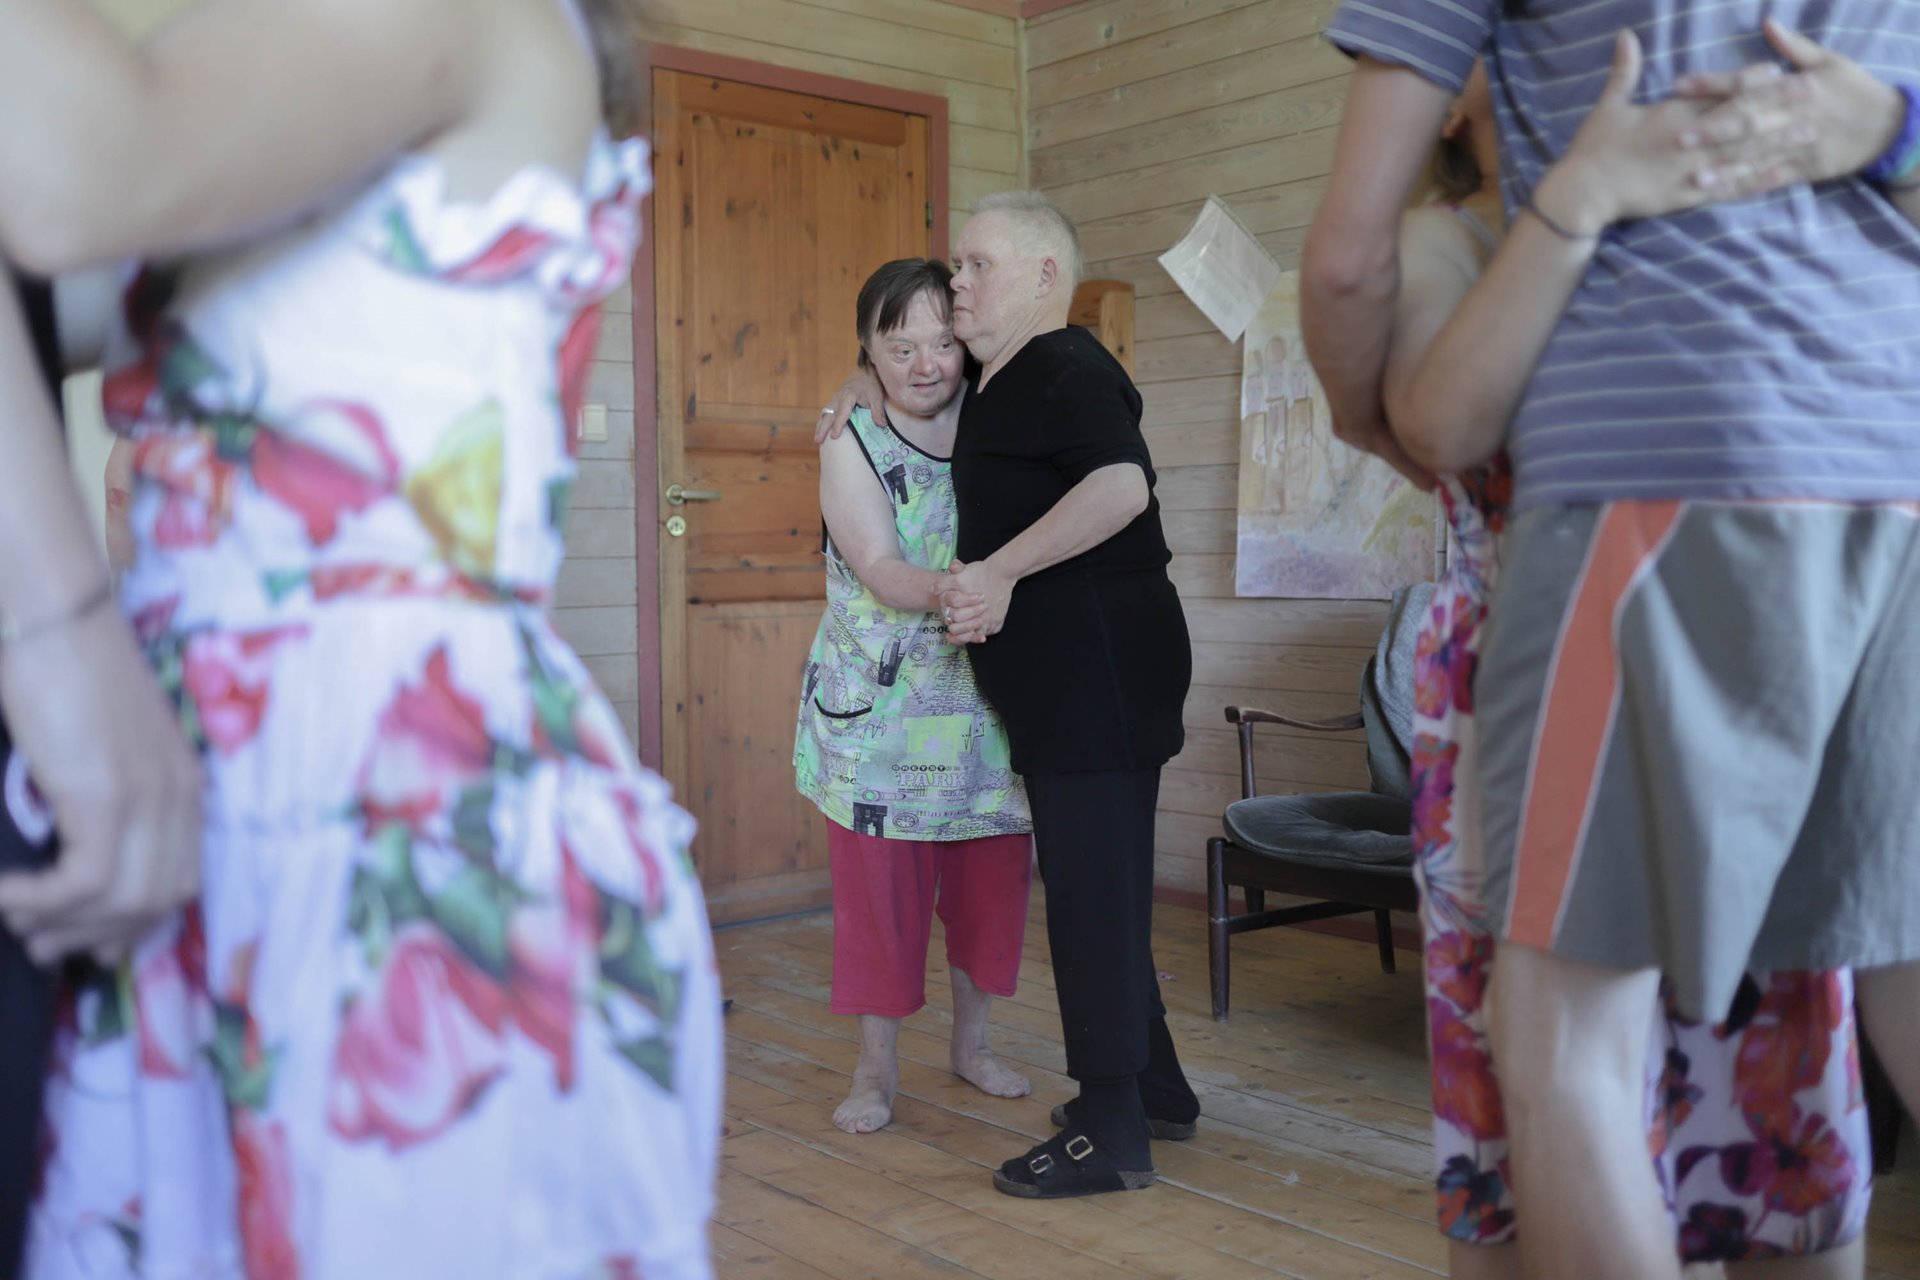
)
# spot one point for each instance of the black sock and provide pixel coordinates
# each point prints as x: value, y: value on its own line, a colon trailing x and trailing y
x: 1164, y: 1090
x: 1109, y: 1113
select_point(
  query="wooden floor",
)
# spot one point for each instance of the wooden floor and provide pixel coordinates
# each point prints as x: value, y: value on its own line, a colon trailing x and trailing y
x: 1311, y: 1161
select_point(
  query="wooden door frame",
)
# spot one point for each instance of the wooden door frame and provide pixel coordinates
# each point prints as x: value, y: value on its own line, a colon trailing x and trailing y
x: 646, y: 404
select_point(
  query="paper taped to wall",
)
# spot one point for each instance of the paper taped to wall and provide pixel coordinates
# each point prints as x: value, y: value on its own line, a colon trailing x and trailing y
x: 1223, y: 268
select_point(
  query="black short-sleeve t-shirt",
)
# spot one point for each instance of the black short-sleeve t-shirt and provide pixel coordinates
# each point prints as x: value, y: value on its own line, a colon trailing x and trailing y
x: 1091, y: 668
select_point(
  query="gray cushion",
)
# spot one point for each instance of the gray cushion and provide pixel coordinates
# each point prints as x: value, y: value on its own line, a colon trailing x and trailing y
x: 1353, y: 829
x: 1386, y: 693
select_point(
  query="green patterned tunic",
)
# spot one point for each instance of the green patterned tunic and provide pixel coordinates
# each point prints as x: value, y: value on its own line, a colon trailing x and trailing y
x: 894, y: 739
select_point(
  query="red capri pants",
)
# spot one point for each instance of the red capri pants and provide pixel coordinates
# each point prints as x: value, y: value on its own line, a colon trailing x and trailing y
x: 885, y: 893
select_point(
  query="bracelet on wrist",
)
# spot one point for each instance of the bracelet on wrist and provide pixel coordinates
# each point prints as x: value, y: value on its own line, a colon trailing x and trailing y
x: 13, y: 631
x: 1571, y: 237
x: 1899, y: 164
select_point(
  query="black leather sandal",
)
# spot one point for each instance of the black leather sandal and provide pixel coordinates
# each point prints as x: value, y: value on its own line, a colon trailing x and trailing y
x: 1068, y: 1164
x: 1168, y: 1130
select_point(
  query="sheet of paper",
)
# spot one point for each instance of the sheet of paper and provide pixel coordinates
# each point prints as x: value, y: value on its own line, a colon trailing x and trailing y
x: 1223, y: 268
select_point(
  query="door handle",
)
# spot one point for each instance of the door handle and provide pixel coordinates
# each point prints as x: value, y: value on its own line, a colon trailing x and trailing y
x: 679, y: 495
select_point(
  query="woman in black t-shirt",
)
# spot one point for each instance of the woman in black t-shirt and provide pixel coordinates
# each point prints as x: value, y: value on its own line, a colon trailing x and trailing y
x: 1080, y: 644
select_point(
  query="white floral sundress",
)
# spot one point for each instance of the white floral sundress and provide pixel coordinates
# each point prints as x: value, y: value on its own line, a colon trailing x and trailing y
x: 449, y: 1008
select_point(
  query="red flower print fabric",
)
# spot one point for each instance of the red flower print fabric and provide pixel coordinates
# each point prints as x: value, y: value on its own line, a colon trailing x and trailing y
x: 1756, y: 1126
x: 448, y: 1006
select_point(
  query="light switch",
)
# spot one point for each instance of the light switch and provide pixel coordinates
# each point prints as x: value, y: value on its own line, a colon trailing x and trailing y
x: 593, y: 423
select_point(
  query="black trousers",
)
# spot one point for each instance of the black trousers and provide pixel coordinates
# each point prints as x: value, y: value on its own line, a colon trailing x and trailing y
x: 26, y: 1026
x: 26, y: 1021
x: 1093, y: 835
x: 26, y: 993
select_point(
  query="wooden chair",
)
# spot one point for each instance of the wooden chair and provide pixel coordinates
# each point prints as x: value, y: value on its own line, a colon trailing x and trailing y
x: 1350, y: 849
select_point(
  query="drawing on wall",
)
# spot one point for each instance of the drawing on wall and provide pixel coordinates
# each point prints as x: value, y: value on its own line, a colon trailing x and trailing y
x: 1316, y: 518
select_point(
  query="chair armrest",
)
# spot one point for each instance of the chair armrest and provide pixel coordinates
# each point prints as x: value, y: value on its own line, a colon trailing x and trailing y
x: 1247, y: 717
x: 1254, y: 715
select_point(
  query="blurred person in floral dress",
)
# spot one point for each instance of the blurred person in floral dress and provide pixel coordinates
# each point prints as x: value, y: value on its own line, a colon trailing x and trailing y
x: 448, y: 1006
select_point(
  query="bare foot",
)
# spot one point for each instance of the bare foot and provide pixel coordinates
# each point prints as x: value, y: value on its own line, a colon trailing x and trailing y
x: 988, y: 1074
x: 876, y: 1077
x: 868, y: 1107
x: 967, y: 1051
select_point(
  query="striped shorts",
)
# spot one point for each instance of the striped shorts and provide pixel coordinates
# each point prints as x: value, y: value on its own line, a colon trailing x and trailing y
x: 1700, y: 727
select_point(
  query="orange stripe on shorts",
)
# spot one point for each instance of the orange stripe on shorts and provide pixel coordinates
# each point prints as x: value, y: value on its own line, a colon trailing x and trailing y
x: 1576, y: 722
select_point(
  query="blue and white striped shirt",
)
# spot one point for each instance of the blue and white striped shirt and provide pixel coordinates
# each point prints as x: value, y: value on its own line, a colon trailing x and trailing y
x: 1764, y: 349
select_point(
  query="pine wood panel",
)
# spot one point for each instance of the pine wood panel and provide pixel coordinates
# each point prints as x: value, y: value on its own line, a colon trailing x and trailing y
x: 1311, y: 1160
x: 772, y: 207
x: 940, y: 18
x: 1113, y: 22
x: 1279, y: 114
x: 1189, y: 355
x: 1175, y: 443
x: 874, y: 33
x: 598, y: 631
x: 1138, y: 111
x: 1198, y: 488
x: 1174, y: 401
x: 690, y: 24
x: 1171, y: 315
x: 1190, y: 44
x: 992, y: 150
x: 761, y: 848
x: 1151, y: 102
x: 1197, y: 531
x: 1249, y: 166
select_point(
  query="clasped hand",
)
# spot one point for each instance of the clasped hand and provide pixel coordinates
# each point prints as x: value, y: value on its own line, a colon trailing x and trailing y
x: 1726, y: 136
x: 975, y: 601
x: 1721, y: 136
x: 1826, y: 118
x: 107, y: 752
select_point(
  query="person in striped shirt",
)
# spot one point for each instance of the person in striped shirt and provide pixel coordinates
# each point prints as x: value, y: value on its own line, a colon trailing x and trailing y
x: 1697, y: 698
x: 1468, y: 326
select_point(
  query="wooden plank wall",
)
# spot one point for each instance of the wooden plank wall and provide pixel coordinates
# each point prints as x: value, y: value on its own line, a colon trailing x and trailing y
x: 1137, y: 111
x: 969, y: 57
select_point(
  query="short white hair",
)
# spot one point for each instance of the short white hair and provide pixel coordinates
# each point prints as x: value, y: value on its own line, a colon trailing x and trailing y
x: 1047, y: 231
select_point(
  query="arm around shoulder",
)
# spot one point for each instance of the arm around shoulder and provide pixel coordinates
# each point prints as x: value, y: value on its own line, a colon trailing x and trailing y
x: 860, y: 521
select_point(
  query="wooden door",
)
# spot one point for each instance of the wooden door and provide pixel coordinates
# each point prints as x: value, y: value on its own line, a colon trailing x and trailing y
x: 771, y: 210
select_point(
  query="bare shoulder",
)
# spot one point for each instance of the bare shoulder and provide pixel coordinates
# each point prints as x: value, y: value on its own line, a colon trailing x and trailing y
x: 843, y: 458
x: 1434, y: 236
x: 846, y: 445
